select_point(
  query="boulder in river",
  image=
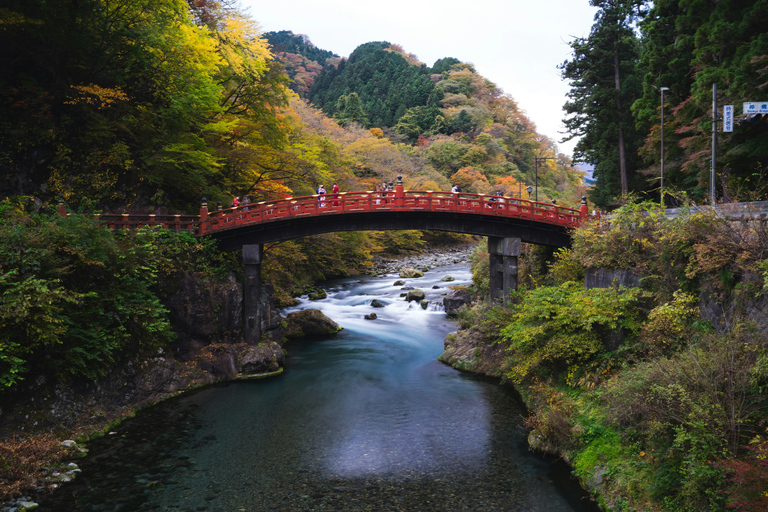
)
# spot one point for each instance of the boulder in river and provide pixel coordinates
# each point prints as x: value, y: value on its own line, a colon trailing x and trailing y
x: 309, y: 322
x: 376, y: 303
x: 263, y: 358
x: 424, y: 304
x: 455, y: 300
x: 399, y: 282
x: 371, y: 316
x: 417, y: 295
x: 448, y: 278
x: 410, y: 272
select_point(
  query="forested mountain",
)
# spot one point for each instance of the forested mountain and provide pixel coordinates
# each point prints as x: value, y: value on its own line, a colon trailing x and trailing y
x: 303, y: 60
x: 617, y: 74
x: 466, y: 128
x: 386, y: 82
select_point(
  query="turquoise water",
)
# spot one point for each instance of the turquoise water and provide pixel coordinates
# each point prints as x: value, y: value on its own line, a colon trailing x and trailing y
x: 367, y: 419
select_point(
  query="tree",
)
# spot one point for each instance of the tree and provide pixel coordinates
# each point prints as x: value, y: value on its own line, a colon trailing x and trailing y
x: 603, y: 88
x: 688, y: 46
x: 349, y: 109
x: 462, y: 123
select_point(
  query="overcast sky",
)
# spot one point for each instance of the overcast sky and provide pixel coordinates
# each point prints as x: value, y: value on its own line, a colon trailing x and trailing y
x: 517, y: 44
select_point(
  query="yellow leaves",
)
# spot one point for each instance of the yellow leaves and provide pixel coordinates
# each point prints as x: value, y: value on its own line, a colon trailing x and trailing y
x: 96, y: 96
x: 242, y: 47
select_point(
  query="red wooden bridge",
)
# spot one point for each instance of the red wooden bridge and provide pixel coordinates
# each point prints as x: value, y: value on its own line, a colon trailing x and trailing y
x: 507, y: 222
x: 292, y: 217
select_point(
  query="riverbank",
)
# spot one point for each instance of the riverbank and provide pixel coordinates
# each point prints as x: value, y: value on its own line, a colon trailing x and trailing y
x: 58, y: 412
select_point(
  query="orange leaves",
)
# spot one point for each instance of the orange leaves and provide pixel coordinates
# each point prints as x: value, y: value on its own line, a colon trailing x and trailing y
x: 469, y: 179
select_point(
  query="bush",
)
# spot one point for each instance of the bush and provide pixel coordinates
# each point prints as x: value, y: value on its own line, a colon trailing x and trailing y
x: 554, y: 327
x: 75, y: 298
x: 692, y: 408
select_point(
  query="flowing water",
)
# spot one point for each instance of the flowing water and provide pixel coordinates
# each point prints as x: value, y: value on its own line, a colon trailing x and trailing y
x: 367, y: 419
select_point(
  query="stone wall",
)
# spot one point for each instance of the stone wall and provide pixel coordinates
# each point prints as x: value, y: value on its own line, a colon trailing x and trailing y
x: 604, y: 278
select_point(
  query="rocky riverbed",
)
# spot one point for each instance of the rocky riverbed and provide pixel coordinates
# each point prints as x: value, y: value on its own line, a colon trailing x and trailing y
x: 430, y: 258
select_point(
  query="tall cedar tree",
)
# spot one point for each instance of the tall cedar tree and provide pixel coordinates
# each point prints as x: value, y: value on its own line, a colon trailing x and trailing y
x: 604, y: 85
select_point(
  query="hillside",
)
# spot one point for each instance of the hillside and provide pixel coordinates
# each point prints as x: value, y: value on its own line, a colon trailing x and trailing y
x: 459, y: 122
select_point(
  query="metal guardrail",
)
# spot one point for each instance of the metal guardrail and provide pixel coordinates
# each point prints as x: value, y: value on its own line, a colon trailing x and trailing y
x: 730, y: 211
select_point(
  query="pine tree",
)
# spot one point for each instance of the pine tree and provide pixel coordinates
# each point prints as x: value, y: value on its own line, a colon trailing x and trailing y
x: 603, y: 87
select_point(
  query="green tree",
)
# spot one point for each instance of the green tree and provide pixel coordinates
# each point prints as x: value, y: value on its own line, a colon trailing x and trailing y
x: 349, y: 109
x: 603, y: 87
x: 688, y: 46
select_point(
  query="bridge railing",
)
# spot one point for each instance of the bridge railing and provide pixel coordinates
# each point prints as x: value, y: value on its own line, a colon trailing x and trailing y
x: 349, y: 202
x: 400, y: 200
x: 133, y: 220
x: 140, y: 220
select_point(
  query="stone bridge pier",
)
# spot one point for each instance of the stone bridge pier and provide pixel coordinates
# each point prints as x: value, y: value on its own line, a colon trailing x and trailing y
x: 252, y: 255
x: 503, y: 253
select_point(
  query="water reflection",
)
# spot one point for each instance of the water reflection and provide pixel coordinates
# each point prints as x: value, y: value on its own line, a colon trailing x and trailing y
x: 363, y: 420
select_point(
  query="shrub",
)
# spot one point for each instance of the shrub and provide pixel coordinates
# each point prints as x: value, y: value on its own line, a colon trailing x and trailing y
x: 692, y: 408
x: 556, y: 327
x: 748, y: 477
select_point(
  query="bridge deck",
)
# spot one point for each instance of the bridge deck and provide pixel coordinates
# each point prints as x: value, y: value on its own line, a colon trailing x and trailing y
x: 369, y: 202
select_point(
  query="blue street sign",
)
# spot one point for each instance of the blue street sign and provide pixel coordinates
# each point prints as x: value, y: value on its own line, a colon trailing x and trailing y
x: 756, y: 107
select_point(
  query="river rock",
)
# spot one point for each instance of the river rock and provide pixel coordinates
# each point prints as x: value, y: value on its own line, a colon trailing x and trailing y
x: 317, y: 294
x: 263, y: 358
x: 376, y: 303
x: 410, y: 272
x: 399, y: 282
x: 371, y: 316
x: 417, y: 295
x: 424, y: 304
x: 310, y: 322
x: 435, y: 287
x: 455, y: 300
x: 470, y: 350
x: 448, y: 278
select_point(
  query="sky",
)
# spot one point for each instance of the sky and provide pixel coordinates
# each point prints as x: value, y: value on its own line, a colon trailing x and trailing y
x: 516, y: 44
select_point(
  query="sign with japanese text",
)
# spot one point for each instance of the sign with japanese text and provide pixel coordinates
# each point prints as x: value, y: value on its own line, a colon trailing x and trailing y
x: 727, y: 118
x: 756, y: 107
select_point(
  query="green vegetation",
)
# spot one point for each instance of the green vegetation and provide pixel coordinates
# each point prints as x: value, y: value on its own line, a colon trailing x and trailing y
x: 617, y: 74
x: 658, y: 404
x: 75, y: 299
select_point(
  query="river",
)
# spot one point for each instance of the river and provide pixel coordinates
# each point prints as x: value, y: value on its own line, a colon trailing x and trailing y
x: 367, y: 419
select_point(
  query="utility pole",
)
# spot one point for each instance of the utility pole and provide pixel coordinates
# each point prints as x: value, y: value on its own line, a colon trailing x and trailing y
x: 714, y: 146
x: 662, y: 89
x: 536, y: 161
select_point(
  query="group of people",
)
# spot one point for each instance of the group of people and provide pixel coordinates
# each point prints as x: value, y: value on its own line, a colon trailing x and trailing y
x: 380, y: 189
x: 237, y: 202
x: 321, y: 195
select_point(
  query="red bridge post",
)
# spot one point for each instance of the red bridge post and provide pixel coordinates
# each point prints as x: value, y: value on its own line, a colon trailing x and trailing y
x: 584, y: 209
x: 399, y: 193
x: 203, y: 222
x: 62, y: 209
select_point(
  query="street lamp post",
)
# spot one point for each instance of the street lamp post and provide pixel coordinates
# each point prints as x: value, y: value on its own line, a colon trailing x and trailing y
x: 536, y: 161
x: 662, y: 89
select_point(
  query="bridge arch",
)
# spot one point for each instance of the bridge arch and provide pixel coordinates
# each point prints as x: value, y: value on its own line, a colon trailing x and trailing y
x: 507, y: 222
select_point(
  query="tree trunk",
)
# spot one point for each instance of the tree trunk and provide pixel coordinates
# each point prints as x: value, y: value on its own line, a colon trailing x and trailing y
x: 617, y: 82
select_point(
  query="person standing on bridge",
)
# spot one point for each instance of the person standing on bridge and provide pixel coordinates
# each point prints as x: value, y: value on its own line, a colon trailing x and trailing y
x: 335, y: 195
x: 321, y: 196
